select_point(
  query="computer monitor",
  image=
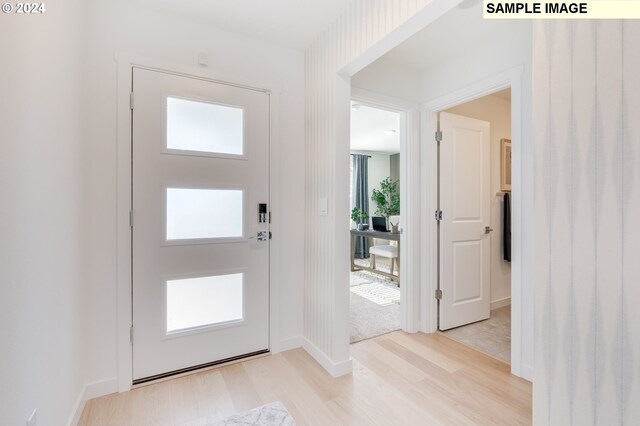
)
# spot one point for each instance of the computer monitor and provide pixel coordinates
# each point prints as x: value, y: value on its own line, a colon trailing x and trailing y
x: 379, y: 224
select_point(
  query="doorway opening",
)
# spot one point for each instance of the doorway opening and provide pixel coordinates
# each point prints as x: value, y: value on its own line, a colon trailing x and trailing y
x: 475, y: 234
x: 374, y: 193
x: 439, y: 69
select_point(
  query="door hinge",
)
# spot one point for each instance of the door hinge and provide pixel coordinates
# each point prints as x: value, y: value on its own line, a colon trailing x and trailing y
x: 131, y: 100
x: 438, y: 215
x: 131, y: 218
x: 269, y: 217
x: 438, y: 294
x: 131, y: 334
x: 438, y: 136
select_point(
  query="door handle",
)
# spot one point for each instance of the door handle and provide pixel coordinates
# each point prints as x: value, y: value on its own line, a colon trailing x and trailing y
x: 488, y: 230
x: 261, y: 236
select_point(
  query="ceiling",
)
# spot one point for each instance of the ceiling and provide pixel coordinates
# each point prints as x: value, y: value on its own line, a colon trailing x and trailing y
x: 290, y: 23
x: 371, y: 129
x: 426, y: 49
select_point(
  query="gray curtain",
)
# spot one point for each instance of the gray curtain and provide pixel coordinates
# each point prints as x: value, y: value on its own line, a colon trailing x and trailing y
x: 361, y: 197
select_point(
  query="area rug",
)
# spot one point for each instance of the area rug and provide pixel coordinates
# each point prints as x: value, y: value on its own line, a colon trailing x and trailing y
x: 274, y: 414
x: 374, y: 306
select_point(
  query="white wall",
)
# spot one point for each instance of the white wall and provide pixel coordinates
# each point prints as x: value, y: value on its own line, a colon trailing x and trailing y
x: 116, y: 26
x: 394, y: 167
x: 379, y: 169
x: 41, y: 215
x: 496, y: 111
x: 508, y: 46
x: 587, y: 200
x: 386, y: 77
x: 365, y: 31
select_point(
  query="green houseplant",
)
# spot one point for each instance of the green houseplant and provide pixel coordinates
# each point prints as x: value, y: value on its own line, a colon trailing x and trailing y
x: 358, y: 216
x: 387, y: 198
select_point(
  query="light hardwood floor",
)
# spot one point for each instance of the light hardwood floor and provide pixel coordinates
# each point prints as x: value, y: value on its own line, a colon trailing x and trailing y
x: 398, y: 379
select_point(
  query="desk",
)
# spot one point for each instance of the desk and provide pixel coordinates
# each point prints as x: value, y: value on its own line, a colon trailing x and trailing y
x: 370, y: 235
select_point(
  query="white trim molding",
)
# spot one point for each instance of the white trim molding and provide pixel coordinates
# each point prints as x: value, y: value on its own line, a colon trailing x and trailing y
x: 336, y: 369
x: 90, y: 391
x: 125, y: 64
x: 287, y: 344
x: 500, y: 303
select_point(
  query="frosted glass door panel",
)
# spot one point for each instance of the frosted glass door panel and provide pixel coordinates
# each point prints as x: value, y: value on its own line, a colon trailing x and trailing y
x: 204, y: 127
x: 199, y: 302
x: 204, y: 213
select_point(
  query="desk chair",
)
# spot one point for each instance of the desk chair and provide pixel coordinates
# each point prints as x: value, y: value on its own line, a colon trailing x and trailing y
x: 384, y: 250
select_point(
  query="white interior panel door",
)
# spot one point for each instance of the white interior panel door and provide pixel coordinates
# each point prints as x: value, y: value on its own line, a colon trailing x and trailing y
x: 464, y: 201
x: 200, y: 274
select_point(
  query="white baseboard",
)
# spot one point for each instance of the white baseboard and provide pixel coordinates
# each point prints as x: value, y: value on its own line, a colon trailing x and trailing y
x: 287, y: 344
x: 335, y: 369
x: 527, y: 372
x: 89, y: 391
x: 500, y: 303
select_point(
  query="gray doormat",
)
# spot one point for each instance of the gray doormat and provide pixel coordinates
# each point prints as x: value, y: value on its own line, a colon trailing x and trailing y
x: 274, y: 414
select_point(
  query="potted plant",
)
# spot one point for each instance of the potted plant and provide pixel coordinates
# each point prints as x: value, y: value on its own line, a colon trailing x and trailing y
x: 358, y: 216
x: 387, y: 198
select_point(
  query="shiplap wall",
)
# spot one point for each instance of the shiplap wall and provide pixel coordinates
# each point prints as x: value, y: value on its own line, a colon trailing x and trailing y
x: 364, y: 23
x: 587, y: 207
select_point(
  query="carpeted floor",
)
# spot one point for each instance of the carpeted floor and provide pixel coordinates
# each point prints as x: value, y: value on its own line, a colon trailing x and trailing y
x: 375, y: 303
x: 491, y: 336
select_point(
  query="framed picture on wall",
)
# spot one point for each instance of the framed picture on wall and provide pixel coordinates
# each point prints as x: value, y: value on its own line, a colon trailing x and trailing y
x: 505, y: 165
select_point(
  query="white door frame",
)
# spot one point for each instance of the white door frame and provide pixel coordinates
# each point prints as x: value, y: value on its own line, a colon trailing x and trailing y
x: 125, y: 63
x: 509, y: 78
x: 340, y: 362
x: 409, y: 196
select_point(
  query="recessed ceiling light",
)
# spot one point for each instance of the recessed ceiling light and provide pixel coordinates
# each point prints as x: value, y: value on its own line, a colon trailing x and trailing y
x: 389, y: 132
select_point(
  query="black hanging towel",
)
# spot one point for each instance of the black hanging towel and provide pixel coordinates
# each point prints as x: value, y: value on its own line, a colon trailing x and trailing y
x: 506, y: 228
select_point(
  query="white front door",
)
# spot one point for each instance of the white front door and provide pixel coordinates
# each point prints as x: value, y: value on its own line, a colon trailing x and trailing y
x: 465, y: 204
x: 200, y: 175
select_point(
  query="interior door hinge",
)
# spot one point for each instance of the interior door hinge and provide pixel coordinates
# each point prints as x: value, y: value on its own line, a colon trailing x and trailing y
x: 438, y: 136
x: 131, y: 218
x: 270, y: 235
x: 438, y: 294
x: 131, y: 100
x: 438, y: 215
x: 131, y: 334
x: 269, y: 217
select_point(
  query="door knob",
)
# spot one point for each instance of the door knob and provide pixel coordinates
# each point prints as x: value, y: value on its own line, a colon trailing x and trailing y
x: 262, y: 236
x: 488, y: 229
